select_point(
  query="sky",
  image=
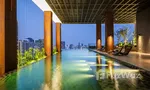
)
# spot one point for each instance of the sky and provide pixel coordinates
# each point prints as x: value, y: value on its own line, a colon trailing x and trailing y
x: 31, y: 24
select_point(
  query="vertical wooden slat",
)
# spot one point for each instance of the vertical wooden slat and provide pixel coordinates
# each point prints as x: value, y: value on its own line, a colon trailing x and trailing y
x: 2, y: 37
x: 10, y: 35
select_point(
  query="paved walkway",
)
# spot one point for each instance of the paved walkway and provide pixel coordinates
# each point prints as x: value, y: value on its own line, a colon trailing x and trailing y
x: 137, y: 59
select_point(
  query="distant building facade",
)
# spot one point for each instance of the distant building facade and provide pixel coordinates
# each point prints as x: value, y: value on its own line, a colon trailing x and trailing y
x: 63, y: 45
x: 39, y: 43
x: 20, y: 46
x: 71, y: 46
x: 24, y: 45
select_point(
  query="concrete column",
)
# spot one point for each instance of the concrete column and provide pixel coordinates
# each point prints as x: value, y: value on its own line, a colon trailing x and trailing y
x: 8, y: 36
x: 98, y: 35
x: 58, y: 37
x: 136, y: 36
x: 48, y: 34
x: 109, y: 31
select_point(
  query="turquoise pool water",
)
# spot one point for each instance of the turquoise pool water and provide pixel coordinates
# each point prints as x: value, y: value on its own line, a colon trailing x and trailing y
x: 76, y: 70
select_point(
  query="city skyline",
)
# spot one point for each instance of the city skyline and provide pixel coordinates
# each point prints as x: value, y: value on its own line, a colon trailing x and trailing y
x: 31, y: 24
x: 74, y: 45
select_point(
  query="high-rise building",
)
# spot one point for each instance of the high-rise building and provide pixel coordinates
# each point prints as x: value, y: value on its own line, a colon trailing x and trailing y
x: 71, y: 46
x: 20, y: 48
x: 63, y: 45
x: 25, y: 45
x: 30, y: 39
x: 39, y: 43
x: 79, y: 46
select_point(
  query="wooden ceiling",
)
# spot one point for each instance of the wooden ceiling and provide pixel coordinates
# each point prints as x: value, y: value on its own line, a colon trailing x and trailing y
x: 89, y: 11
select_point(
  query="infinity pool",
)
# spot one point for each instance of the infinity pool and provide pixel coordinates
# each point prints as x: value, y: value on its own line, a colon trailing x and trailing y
x: 76, y: 70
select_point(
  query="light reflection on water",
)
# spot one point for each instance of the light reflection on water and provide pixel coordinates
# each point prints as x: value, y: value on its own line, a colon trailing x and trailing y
x: 73, y: 70
x: 115, y: 76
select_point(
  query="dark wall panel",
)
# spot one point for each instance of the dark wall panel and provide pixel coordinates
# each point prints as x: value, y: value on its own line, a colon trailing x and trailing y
x: 143, y: 30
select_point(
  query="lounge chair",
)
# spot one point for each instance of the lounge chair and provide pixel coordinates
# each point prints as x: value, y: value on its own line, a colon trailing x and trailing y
x: 123, y: 51
x: 117, y: 50
x: 101, y: 49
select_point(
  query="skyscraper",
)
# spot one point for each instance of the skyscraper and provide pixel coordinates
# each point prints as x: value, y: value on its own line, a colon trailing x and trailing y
x: 63, y: 45
x: 24, y: 45
x: 79, y: 46
x: 39, y: 43
x: 71, y: 46
x: 20, y: 46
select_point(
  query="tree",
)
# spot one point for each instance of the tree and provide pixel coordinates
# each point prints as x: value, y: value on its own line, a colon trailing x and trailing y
x: 43, y: 52
x: 36, y: 54
x: 30, y: 55
x: 117, y: 34
x: 30, y: 51
x: 123, y: 32
x: 54, y: 50
x: 19, y: 55
x: 126, y: 35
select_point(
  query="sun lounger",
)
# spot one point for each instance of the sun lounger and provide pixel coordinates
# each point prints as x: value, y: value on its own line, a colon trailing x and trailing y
x: 123, y: 51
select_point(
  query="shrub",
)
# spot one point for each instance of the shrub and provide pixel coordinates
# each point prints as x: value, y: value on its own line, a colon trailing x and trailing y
x: 30, y: 56
x: 55, y: 50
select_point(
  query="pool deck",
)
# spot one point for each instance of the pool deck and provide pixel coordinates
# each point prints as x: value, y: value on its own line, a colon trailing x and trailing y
x: 136, y: 59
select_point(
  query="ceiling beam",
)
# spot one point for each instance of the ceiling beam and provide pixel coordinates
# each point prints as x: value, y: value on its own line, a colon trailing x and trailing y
x: 82, y: 10
x: 57, y: 13
x: 97, y: 11
x: 71, y: 9
x: 87, y: 11
x: 66, y: 9
x: 123, y: 6
x: 77, y: 9
x: 92, y: 10
x: 103, y: 10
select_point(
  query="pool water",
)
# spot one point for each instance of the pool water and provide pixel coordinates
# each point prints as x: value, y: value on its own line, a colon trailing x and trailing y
x: 76, y: 70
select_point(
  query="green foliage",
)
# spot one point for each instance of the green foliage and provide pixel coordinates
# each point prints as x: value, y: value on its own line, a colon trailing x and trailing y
x: 20, y: 57
x: 117, y: 34
x: 36, y: 54
x: 129, y: 44
x: 121, y: 44
x: 29, y: 56
x: 123, y: 33
x: 55, y: 50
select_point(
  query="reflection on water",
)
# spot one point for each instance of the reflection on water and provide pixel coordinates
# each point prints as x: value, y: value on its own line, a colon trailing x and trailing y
x: 73, y: 70
x: 112, y: 76
x: 57, y: 75
x: 53, y: 78
x: 48, y: 74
